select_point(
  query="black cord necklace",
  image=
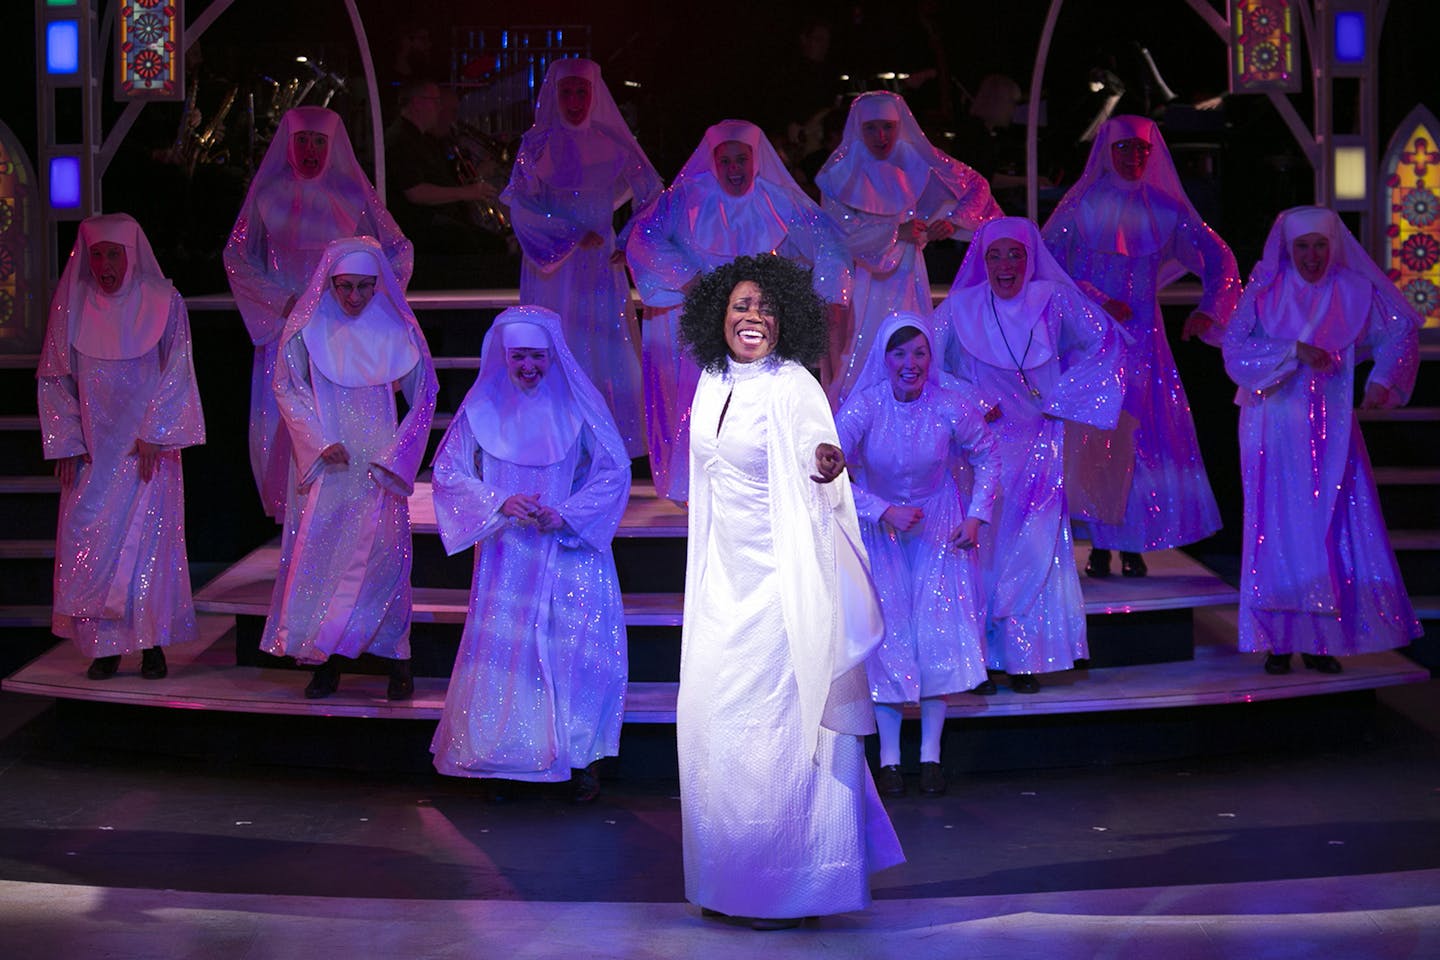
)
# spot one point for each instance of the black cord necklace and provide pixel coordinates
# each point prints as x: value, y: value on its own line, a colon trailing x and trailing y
x: 1020, y: 363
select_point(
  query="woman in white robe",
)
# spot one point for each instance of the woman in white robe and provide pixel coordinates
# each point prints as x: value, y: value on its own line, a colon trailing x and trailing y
x: 732, y: 198
x: 1123, y: 232
x: 892, y: 193
x: 576, y: 166
x: 309, y: 190
x: 906, y: 435
x: 343, y: 587
x: 1318, y: 575
x: 1039, y: 354
x: 118, y: 403
x: 534, y: 475
x: 780, y: 817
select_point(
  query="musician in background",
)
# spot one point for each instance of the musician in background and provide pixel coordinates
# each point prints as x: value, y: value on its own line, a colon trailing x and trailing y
x: 425, y: 194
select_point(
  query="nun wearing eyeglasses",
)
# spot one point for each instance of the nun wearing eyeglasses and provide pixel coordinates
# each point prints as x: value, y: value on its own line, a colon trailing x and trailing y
x: 1318, y: 575
x: 343, y: 586
x: 118, y: 402
x: 1040, y: 355
x: 309, y: 190
x: 576, y: 167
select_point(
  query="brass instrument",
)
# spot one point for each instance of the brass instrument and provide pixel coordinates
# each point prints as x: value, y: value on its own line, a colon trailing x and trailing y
x: 478, y: 157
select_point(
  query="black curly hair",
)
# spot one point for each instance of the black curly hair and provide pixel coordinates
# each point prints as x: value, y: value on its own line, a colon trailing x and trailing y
x: 800, y: 318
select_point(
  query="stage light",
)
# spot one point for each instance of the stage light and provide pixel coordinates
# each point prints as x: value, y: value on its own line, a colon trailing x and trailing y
x: 62, y: 48
x: 1350, y: 175
x: 1349, y: 37
x: 64, y: 182
x: 60, y: 3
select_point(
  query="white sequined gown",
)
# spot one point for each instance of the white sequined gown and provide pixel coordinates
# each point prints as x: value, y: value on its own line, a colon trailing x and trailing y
x: 1318, y: 574
x: 905, y: 454
x: 538, y: 686
x: 122, y: 582
x: 1170, y: 502
x: 343, y: 586
x: 1036, y: 614
x: 780, y: 815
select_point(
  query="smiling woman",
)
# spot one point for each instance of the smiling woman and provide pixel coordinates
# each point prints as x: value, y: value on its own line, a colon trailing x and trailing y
x: 781, y: 818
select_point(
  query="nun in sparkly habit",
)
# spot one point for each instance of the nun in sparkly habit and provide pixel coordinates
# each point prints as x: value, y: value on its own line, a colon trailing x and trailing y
x: 1318, y: 574
x: 534, y: 475
x: 308, y: 191
x: 892, y: 193
x: 1124, y: 231
x: 1040, y: 354
x: 905, y: 429
x: 780, y: 817
x: 576, y: 166
x: 118, y: 402
x: 343, y: 587
x: 732, y: 198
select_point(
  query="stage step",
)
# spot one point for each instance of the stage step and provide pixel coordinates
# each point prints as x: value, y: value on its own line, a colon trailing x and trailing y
x: 1400, y: 414
x: 203, y: 676
x: 1415, y: 540
x: 1176, y: 582
x: 29, y: 484
x: 1407, y: 476
x: 27, y: 549
x: 25, y: 615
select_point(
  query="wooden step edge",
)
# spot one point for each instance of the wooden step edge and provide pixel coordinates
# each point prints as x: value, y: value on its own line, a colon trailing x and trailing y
x: 1426, y: 607
x: 25, y: 615
x: 1407, y: 476
x: 20, y: 423
x: 29, y: 484
x: 1415, y: 540
x: 27, y: 549
x: 19, y: 361
x: 1400, y: 414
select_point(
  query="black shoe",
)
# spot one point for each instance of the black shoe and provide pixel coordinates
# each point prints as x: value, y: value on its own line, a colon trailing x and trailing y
x: 1024, y: 683
x: 986, y: 688
x: 324, y: 681
x: 584, y: 784
x: 890, y: 783
x: 1132, y: 564
x: 152, y: 664
x: 776, y: 923
x: 932, y: 778
x: 402, y: 681
x: 1321, y: 662
x: 103, y: 668
x: 497, y: 791
x: 1277, y: 663
x: 1099, y: 563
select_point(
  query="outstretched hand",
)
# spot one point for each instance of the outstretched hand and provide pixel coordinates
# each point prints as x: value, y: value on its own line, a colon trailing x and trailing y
x: 829, y: 463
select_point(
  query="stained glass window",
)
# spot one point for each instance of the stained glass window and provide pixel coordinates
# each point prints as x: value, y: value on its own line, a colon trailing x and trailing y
x: 1263, y: 49
x: 150, y: 55
x: 19, y: 318
x: 1411, y: 212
